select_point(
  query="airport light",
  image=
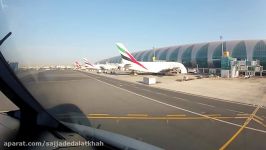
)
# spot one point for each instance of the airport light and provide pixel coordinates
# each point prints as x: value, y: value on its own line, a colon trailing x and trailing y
x: 153, y: 58
x: 221, y: 38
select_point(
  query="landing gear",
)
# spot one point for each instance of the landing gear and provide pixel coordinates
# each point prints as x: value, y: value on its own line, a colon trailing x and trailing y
x: 173, y: 72
x: 134, y: 73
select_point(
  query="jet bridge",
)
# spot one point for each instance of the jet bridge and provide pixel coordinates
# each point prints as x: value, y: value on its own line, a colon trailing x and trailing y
x: 231, y: 67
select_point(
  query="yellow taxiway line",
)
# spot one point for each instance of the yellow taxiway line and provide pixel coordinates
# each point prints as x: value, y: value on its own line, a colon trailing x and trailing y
x: 243, y: 114
x: 259, y: 122
x: 240, y: 130
x: 212, y: 115
x: 98, y: 114
x: 138, y: 115
x: 177, y: 115
x: 160, y: 118
x: 167, y: 117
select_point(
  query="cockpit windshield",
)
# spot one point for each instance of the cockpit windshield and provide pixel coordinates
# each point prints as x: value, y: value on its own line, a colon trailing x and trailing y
x: 175, y: 74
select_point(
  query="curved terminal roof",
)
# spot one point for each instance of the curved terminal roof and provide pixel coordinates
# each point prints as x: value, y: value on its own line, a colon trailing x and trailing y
x: 205, y: 55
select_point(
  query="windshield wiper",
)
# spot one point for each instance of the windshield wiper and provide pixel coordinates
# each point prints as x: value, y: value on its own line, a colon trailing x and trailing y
x: 3, y: 40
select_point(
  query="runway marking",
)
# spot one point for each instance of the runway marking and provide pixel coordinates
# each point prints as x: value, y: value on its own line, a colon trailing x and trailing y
x: 186, y: 110
x: 259, y: 122
x: 243, y: 114
x: 241, y: 129
x: 98, y: 114
x: 259, y: 118
x: 213, y: 98
x: 235, y: 111
x: 205, y: 104
x: 138, y: 115
x: 213, y: 115
x: 177, y: 115
x: 160, y: 118
x: 60, y: 81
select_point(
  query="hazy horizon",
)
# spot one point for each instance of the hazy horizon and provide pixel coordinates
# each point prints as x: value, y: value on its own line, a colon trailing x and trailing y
x: 61, y: 32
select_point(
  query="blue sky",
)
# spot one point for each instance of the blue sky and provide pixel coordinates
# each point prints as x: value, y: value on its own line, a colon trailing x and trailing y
x: 62, y: 31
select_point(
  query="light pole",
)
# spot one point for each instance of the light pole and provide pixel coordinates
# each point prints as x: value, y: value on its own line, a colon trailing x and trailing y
x: 153, y: 54
x: 221, y: 38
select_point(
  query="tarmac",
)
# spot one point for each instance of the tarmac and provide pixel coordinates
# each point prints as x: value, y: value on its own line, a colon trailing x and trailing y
x: 250, y: 91
x: 162, y: 117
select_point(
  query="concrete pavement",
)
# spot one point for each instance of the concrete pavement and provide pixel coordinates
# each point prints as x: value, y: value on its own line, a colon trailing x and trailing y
x: 167, y: 119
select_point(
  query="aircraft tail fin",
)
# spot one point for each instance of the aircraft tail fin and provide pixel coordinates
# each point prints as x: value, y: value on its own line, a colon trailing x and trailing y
x: 86, y: 62
x: 126, y: 55
x: 77, y: 65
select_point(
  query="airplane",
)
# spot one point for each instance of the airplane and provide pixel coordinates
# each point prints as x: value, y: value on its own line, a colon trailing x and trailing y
x: 148, y: 67
x: 88, y: 65
x: 78, y: 66
x: 33, y: 126
x: 106, y: 66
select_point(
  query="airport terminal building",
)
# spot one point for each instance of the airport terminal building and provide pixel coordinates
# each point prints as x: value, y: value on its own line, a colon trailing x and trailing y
x: 203, y: 55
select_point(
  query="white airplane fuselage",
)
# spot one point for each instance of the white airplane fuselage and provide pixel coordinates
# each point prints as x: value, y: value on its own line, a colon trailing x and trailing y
x: 151, y: 67
x: 155, y: 67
